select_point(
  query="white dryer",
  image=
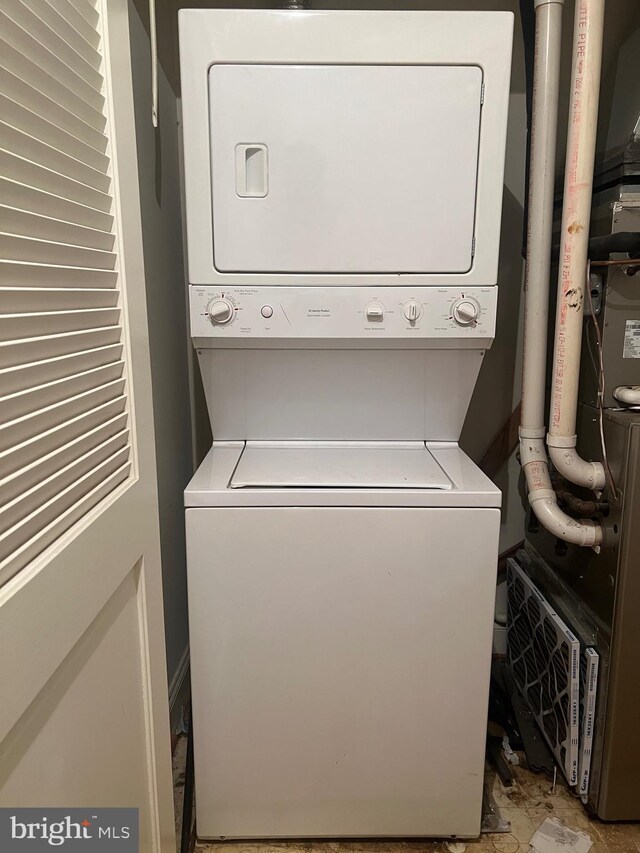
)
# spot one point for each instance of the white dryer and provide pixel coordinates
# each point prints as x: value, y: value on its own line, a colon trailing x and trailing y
x: 343, y: 176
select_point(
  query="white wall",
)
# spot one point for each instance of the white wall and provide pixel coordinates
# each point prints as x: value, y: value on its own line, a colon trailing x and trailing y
x: 166, y: 303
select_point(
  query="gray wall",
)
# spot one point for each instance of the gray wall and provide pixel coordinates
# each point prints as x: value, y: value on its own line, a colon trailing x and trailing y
x: 158, y: 165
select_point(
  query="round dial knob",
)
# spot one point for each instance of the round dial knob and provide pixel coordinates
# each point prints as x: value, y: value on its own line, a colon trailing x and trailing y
x: 220, y: 311
x: 412, y: 310
x: 375, y: 311
x: 466, y: 311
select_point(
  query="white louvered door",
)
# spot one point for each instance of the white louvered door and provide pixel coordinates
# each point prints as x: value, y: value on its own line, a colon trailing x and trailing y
x: 83, y: 714
x: 64, y: 437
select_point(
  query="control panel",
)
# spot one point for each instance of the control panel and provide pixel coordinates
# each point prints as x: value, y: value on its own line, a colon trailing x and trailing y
x: 342, y: 312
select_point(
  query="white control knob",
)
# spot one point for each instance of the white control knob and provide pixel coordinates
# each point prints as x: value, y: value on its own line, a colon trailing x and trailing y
x: 220, y: 311
x: 466, y: 311
x: 375, y: 311
x: 412, y: 310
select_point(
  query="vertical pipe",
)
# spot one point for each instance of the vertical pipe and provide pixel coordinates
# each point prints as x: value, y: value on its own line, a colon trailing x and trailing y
x: 546, y: 81
x: 574, y: 238
x: 153, y: 36
x: 539, y: 230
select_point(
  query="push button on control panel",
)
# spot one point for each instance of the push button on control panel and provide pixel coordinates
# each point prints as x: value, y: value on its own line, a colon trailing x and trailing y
x: 375, y: 312
x: 266, y: 311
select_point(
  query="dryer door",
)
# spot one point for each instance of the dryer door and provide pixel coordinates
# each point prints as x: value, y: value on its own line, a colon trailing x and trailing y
x: 344, y: 168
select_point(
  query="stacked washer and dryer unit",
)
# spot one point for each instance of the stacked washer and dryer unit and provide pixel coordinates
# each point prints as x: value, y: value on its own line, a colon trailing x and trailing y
x: 343, y: 177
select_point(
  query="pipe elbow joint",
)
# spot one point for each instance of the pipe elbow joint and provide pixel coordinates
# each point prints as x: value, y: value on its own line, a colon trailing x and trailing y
x: 544, y: 503
x: 568, y: 462
x: 585, y: 533
x: 628, y: 395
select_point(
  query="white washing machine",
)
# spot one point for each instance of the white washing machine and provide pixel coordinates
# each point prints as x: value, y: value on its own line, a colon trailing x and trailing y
x: 341, y: 620
x: 343, y: 175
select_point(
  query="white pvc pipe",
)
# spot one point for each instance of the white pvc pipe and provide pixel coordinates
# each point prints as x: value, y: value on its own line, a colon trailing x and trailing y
x: 628, y: 394
x: 153, y: 36
x: 574, y: 238
x: 546, y: 81
x: 544, y: 503
x: 568, y: 462
x: 533, y: 456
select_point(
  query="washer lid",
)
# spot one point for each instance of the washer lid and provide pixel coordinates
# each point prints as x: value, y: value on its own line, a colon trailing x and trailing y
x: 397, y: 465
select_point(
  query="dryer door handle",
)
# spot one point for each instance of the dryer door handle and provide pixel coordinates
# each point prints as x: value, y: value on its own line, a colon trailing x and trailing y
x: 252, y: 170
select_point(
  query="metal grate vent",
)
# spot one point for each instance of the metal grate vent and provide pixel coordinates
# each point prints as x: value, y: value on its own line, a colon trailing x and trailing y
x: 543, y: 655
